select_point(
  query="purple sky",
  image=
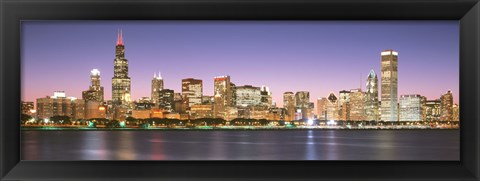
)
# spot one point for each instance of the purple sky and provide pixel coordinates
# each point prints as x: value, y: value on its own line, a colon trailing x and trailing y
x: 316, y: 56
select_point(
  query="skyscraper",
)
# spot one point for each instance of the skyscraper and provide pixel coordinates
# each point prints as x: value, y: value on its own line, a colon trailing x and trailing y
x: 357, y: 105
x: 446, y: 105
x: 389, y: 86
x: 157, y: 86
x: 192, y: 91
x: 371, y: 97
x: 266, y: 96
x: 222, y: 95
x: 344, y: 105
x: 332, y: 107
x: 166, y: 100
x: 95, y: 91
x: 302, y: 102
x: 321, y: 108
x: 120, y: 81
x: 289, y: 105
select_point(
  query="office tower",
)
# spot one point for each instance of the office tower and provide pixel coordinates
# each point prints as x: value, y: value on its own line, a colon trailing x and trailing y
x: 344, y: 105
x: 266, y: 96
x: 411, y: 107
x: 233, y: 93
x: 201, y: 111
x: 389, y: 85
x: 332, y: 107
x: 166, y: 101
x: 95, y: 91
x: 120, y: 81
x: 302, y: 103
x: 27, y: 108
x: 56, y: 105
x: 456, y: 112
x: 432, y: 110
x: 276, y: 114
x: 248, y: 95
x: 192, y: 91
x: 222, y: 95
x: 302, y: 99
x: 446, y: 106
x: 157, y: 86
x: 322, y: 108
x: 289, y: 105
x: 371, y: 97
x: 357, y: 105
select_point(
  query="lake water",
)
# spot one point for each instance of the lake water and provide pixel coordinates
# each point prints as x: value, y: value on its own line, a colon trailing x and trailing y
x: 242, y: 145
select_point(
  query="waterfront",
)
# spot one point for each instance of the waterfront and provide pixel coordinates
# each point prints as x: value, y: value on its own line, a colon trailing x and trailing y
x: 242, y: 145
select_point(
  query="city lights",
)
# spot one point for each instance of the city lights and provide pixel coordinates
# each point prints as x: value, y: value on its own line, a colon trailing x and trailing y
x: 243, y: 105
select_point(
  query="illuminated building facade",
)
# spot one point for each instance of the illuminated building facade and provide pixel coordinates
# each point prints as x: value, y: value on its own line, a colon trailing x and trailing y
x: 223, y: 96
x: 344, y: 105
x: 248, y: 95
x: 389, y: 85
x: 456, y: 112
x: 201, y: 111
x: 95, y: 91
x: 192, y: 91
x: 332, y: 107
x: 411, y: 108
x: 276, y: 114
x: 157, y: 86
x: 289, y: 105
x: 27, y: 108
x: 56, y: 105
x: 357, y: 105
x: 266, y: 96
x: 446, y: 106
x: 302, y: 103
x: 322, y: 108
x: 432, y: 110
x: 371, y: 97
x: 166, y: 101
x: 120, y: 81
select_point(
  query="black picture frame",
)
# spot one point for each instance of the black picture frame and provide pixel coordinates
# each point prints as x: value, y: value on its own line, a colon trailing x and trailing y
x: 12, y: 12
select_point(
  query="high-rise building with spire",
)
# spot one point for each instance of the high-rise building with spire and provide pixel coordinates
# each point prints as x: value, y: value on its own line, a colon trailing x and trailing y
x: 120, y: 81
x: 157, y: 86
x: 371, y: 97
x: 389, y: 86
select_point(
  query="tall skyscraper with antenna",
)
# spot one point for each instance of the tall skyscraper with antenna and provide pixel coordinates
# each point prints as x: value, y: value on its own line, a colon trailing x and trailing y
x: 120, y: 81
x: 157, y: 86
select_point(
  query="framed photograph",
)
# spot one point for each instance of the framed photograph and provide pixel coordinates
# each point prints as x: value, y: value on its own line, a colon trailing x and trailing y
x: 212, y: 90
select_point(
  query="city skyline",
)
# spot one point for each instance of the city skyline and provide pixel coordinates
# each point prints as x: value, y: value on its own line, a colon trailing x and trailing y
x: 268, y: 70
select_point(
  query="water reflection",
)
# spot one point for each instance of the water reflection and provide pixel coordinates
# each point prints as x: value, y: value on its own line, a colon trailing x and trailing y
x: 242, y: 145
x: 94, y: 146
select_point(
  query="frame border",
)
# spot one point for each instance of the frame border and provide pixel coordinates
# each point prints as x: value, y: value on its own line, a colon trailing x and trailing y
x: 14, y: 11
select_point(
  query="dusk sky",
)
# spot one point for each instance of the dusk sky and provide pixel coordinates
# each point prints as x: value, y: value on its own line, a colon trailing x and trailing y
x: 315, y: 56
